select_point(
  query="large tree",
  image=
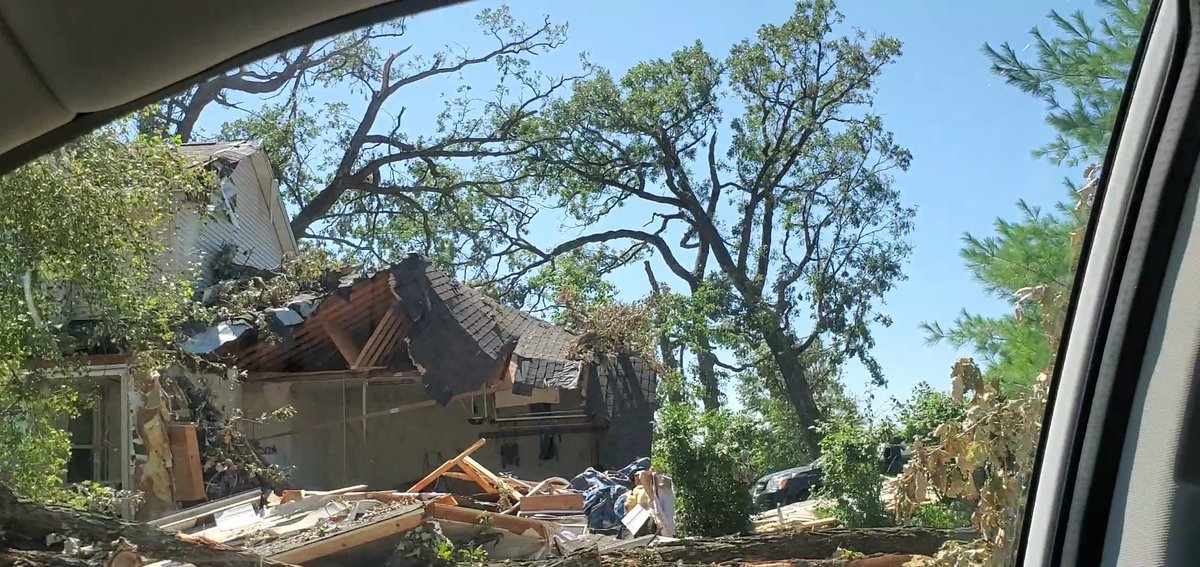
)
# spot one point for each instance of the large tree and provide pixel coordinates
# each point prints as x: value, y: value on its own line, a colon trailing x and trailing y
x: 358, y: 177
x: 1080, y: 72
x: 786, y: 214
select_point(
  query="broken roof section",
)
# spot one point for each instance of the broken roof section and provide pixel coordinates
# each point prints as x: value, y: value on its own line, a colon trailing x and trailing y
x: 459, y: 335
x: 408, y: 317
x: 226, y: 152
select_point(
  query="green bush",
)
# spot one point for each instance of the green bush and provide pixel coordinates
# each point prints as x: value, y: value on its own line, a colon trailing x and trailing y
x: 925, y: 410
x: 851, y: 479
x: 708, y: 455
x: 941, y: 516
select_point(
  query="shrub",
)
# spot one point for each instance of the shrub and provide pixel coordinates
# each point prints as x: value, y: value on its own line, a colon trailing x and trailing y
x: 941, y: 516
x: 851, y: 478
x: 708, y: 456
x: 926, y: 410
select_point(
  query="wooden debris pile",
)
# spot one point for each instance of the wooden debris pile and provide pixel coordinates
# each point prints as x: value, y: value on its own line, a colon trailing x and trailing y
x: 493, y: 516
x: 486, y: 517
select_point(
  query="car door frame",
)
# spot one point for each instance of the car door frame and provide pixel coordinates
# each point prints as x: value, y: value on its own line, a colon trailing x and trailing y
x: 1146, y: 177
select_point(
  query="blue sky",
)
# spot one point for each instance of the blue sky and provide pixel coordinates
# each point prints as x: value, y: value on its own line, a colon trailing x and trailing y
x: 970, y: 134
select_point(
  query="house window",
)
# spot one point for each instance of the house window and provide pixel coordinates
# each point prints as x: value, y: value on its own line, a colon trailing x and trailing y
x: 85, y: 455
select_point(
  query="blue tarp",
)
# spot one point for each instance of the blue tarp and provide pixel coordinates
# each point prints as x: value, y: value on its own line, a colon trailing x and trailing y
x: 604, y: 493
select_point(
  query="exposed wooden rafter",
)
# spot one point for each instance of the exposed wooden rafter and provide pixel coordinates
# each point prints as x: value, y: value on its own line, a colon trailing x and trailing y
x: 392, y: 327
x: 343, y: 342
x: 368, y: 373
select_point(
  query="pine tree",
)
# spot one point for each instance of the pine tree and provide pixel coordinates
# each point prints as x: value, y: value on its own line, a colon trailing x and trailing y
x: 1080, y: 74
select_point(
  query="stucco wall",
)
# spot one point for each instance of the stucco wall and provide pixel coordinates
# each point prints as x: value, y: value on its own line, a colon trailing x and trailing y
x: 398, y: 449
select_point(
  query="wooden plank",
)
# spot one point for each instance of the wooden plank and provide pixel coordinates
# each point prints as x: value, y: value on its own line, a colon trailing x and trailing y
x: 352, y: 537
x: 402, y: 497
x: 186, y: 475
x: 318, y: 376
x: 468, y: 462
x: 85, y: 360
x: 474, y: 476
x: 552, y: 503
x: 514, y: 524
x: 342, y: 341
x: 433, y: 476
x: 294, y: 495
x: 377, y: 342
x: 187, y: 517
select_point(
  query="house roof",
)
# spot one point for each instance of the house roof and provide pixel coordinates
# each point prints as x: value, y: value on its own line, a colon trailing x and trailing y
x: 454, y: 323
x: 228, y: 152
x: 460, y: 338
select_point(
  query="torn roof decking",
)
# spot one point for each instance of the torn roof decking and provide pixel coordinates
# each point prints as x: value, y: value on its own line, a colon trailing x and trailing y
x: 457, y: 336
x: 227, y: 152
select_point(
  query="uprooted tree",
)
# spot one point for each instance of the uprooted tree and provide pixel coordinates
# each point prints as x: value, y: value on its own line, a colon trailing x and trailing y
x: 785, y: 215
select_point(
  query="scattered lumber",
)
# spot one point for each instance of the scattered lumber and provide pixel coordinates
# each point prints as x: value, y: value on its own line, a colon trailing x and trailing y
x: 468, y: 469
x: 385, y: 526
x: 514, y: 524
x: 294, y: 495
x: 571, y: 502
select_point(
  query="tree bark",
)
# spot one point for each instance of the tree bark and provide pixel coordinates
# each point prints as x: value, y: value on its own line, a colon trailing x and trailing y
x: 885, y: 547
x: 20, y: 558
x: 796, y: 386
x: 706, y: 366
x: 36, y: 521
x: 666, y: 349
x: 818, y: 544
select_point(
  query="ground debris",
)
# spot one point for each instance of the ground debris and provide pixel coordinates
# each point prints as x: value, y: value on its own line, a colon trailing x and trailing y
x: 873, y: 547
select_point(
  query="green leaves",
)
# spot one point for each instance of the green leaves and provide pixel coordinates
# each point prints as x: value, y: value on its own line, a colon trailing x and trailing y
x: 925, y: 410
x: 1080, y: 73
x: 781, y: 223
x: 87, y: 227
x: 850, y: 456
x: 708, y: 456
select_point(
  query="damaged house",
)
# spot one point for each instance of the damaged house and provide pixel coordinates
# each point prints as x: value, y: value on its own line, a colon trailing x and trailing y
x: 245, y: 221
x: 394, y: 372
x: 390, y: 373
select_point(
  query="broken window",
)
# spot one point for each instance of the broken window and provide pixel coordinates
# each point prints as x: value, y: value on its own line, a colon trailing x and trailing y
x: 85, y: 460
x: 229, y: 198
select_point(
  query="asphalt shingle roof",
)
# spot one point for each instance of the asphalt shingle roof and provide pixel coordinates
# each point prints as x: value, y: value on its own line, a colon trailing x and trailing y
x: 445, y: 312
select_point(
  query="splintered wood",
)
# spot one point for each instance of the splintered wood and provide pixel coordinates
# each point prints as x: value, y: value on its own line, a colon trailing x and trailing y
x: 468, y: 469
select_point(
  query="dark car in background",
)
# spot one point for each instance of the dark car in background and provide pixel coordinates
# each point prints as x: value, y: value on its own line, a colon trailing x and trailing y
x: 786, y: 486
x: 800, y: 483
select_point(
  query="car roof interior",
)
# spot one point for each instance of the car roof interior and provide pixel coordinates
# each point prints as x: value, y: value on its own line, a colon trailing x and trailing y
x: 68, y: 71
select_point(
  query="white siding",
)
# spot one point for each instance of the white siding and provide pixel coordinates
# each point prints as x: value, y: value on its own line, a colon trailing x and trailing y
x: 262, y: 235
x: 259, y: 243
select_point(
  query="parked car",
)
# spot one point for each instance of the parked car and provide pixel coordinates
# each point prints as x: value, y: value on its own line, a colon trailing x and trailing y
x: 787, y: 486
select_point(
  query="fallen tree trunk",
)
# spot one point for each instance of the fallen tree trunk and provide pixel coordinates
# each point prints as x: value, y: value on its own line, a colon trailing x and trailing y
x: 818, y: 544
x: 19, y: 558
x: 885, y: 547
x: 647, y: 559
x: 36, y: 521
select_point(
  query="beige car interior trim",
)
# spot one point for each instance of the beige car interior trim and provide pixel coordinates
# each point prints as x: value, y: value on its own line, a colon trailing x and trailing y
x: 69, y: 67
